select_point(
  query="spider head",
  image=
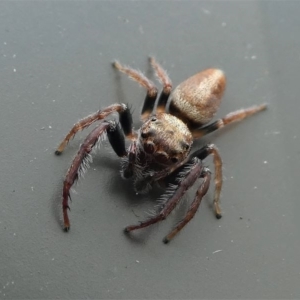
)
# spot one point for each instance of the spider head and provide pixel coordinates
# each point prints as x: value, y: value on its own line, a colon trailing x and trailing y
x: 166, y: 138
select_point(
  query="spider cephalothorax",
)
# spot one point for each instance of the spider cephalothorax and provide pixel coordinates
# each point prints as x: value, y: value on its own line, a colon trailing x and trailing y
x: 166, y: 138
x: 160, y: 151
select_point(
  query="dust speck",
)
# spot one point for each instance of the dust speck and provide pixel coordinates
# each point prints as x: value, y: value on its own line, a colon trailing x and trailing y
x: 206, y: 11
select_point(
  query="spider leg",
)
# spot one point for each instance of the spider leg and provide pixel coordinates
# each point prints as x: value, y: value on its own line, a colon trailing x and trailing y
x: 162, y: 175
x: 228, y: 119
x: 142, y: 80
x: 128, y: 169
x: 167, y: 85
x: 218, y: 180
x: 124, y: 116
x: 202, y: 190
x: 83, y: 157
x: 173, y: 195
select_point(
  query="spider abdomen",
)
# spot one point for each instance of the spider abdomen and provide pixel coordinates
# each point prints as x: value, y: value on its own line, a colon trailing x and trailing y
x: 196, y: 100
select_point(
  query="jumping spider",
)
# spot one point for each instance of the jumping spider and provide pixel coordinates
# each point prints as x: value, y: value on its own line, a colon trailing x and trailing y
x: 160, y: 151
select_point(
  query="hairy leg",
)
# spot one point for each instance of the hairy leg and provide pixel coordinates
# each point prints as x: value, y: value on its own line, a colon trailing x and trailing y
x: 129, y: 164
x: 83, y: 157
x: 228, y: 119
x: 142, y: 80
x: 218, y: 180
x: 193, y: 208
x: 173, y: 195
x: 125, y: 120
x: 165, y: 81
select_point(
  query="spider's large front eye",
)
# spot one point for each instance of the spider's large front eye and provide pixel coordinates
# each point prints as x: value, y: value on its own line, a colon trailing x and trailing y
x: 174, y: 160
x: 153, y: 119
x: 162, y: 157
x: 149, y: 147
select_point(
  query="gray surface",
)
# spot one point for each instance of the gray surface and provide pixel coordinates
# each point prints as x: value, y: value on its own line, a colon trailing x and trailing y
x: 55, y: 68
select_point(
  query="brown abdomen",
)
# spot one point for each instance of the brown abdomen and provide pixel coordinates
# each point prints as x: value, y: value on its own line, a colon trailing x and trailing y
x: 196, y: 100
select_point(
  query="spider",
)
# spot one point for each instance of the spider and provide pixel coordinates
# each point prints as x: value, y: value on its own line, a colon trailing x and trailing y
x: 160, y: 151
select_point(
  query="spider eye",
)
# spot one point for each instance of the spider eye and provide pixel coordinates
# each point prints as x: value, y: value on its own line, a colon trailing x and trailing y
x: 143, y: 135
x: 153, y: 119
x: 185, y: 146
x: 174, y: 160
x: 149, y: 147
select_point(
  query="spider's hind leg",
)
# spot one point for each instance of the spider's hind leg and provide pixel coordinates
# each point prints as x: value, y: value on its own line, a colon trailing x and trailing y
x: 232, y: 117
x: 218, y: 180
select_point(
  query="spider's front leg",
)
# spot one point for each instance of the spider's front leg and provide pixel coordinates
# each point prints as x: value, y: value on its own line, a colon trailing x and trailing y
x: 83, y: 157
x: 125, y: 120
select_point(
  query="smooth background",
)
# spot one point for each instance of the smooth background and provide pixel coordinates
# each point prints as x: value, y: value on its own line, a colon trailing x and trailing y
x: 55, y: 68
